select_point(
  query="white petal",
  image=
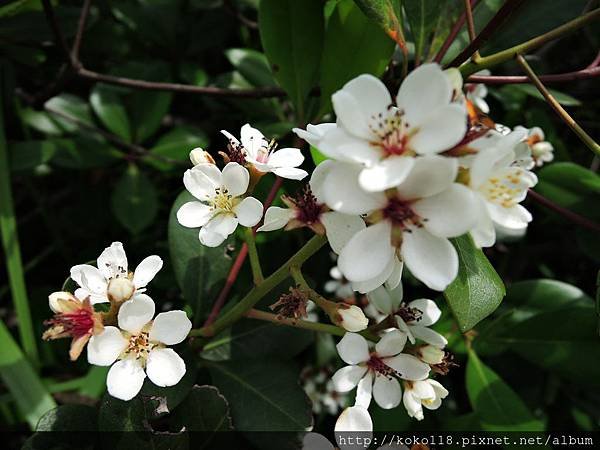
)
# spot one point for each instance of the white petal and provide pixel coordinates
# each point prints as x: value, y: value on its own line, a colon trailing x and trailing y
x: 346, y: 378
x: 291, y: 173
x: 515, y: 217
x: 340, y: 228
x: 125, y: 379
x: 340, y: 145
x: 423, y: 390
x: 353, y: 348
x: 430, y: 313
x: 352, y: 318
x: 429, y: 336
x: 112, y: 259
x: 286, y: 157
x: 232, y: 139
x: 276, y: 218
x: 381, y: 299
x: 430, y: 175
x: 194, y: 214
x: 355, y: 418
x: 342, y: 192
x: 318, y: 177
x: 368, y: 253
x: 393, y: 281
x: 386, y: 174
x: 89, y: 278
x: 364, y: 390
x: 202, y: 180
x: 373, y: 283
x: 387, y: 392
x: 412, y: 405
x: 134, y: 314
x: 440, y: 391
x: 314, y: 133
x: 424, y: 90
x: 103, y: 349
x: 223, y: 224
x: 170, y: 328
x: 391, y: 343
x: 235, y: 179
x: 165, y: 367
x: 408, y: 367
x: 440, y: 131
x: 450, y: 213
x: 483, y: 233
x: 147, y: 270
x: 248, y: 212
x: 210, y: 238
x: 431, y: 259
x: 252, y: 140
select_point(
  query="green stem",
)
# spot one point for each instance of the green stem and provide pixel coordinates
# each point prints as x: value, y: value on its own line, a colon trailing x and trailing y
x: 508, y: 54
x: 326, y: 305
x: 257, y: 273
x: 246, y: 303
x: 10, y: 241
x: 305, y: 324
x: 564, y: 115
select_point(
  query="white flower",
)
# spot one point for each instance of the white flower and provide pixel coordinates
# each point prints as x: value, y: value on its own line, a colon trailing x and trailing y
x: 384, y: 139
x: 427, y: 393
x: 477, y: 92
x: 415, y: 318
x: 139, y: 348
x: 541, y: 150
x: 412, y: 221
x: 111, y: 279
x: 338, y: 285
x: 263, y: 156
x: 431, y: 354
x: 221, y: 206
x: 200, y: 156
x: 351, y: 318
x: 376, y: 373
x: 500, y: 186
x: 354, y: 418
x: 314, y: 133
x: 320, y: 390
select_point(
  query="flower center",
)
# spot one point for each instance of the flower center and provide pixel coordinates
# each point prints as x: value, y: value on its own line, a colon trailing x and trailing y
x: 222, y: 200
x: 76, y: 324
x: 139, y: 346
x: 309, y: 209
x: 401, y: 214
x: 409, y: 314
x: 507, y: 188
x: 377, y: 365
x: 391, y: 133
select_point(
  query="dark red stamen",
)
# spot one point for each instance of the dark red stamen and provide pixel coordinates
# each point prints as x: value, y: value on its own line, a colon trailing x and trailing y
x: 76, y: 324
x: 309, y: 209
x: 409, y: 314
x: 376, y: 364
x: 400, y: 212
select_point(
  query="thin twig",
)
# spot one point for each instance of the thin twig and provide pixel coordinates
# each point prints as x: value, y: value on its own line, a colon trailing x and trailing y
x: 85, y: 11
x: 470, y: 25
x: 566, y: 213
x: 563, y: 114
x: 509, y: 7
x: 552, y: 78
x: 58, y: 34
x: 453, y: 33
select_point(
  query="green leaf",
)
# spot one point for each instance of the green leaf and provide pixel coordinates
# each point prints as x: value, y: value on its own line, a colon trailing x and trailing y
x: 385, y: 13
x: 292, y: 36
x: 561, y: 97
x: 30, y: 395
x: 111, y: 112
x: 422, y: 16
x: 353, y: 45
x: 41, y: 121
x: 27, y: 155
x: 134, y: 200
x: 69, y: 418
x: 68, y: 106
x: 477, y: 290
x: 250, y: 340
x: 499, y: 407
x: 317, y: 156
x: 253, y: 66
x: 204, y: 409
x: 200, y: 270
x: 83, y: 151
x: 176, y: 145
x: 263, y: 393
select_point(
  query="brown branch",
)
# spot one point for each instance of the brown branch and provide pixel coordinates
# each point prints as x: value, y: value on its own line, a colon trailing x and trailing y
x: 85, y: 11
x: 508, y: 8
x: 453, y: 33
x: 589, y: 72
x: 470, y: 24
x: 58, y: 35
x: 566, y: 213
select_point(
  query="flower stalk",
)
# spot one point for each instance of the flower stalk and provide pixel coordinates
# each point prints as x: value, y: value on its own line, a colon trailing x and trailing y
x: 257, y: 273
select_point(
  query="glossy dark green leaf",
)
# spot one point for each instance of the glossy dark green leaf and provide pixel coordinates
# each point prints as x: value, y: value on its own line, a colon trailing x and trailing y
x: 26, y: 155
x: 263, y: 394
x: 200, y: 270
x: 84, y: 151
x: 204, y: 409
x: 385, y: 13
x: 70, y: 112
x: 561, y: 97
x: 176, y: 146
x: 111, y: 112
x: 498, y: 406
x: 253, y: 66
x: 422, y: 16
x: 477, y: 290
x: 134, y: 200
x: 353, y: 45
x: 292, y: 36
x: 69, y: 418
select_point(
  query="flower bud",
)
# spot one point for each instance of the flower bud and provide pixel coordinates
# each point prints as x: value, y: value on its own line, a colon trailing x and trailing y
x: 200, y: 156
x: 120, y: 289
x: 430, y: 354
x: 351, y: 318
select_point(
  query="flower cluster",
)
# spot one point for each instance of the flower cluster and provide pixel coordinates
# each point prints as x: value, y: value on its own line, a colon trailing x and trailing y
x: 125, y: 337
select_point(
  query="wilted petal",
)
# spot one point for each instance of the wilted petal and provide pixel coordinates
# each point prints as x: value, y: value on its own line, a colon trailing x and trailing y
x: 125, y: 379
x: 165, y: 367
x: 170, y: 327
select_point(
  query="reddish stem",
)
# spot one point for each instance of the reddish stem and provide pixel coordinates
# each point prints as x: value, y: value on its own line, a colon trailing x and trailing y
x: 453, y: 33
x: 566, y: 213
x: 588, y: 72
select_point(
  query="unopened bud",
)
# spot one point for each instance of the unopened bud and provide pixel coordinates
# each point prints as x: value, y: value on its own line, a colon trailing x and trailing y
x: 200, y: 156
x: 120, y: 289
x: 351, y: 318
x: 430, y: 354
